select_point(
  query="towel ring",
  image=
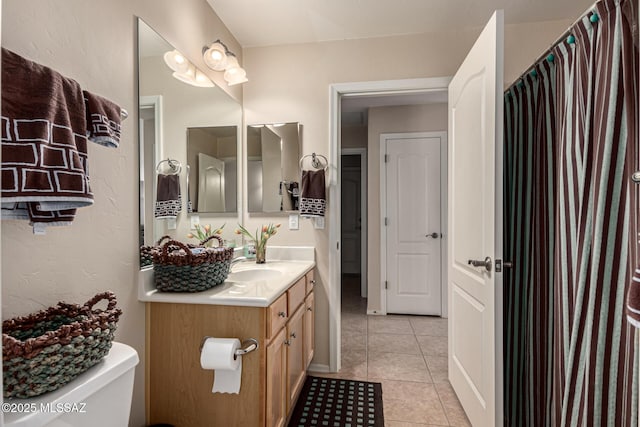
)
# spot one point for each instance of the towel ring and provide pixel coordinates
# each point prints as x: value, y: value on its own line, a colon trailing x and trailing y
x: 175, y: 166
x: 315, y: 162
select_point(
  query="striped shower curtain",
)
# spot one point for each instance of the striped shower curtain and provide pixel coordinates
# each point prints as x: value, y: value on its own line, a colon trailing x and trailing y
x: 570, y: 131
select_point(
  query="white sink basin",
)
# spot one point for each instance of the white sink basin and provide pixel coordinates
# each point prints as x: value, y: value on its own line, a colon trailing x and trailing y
x: 254, y: 274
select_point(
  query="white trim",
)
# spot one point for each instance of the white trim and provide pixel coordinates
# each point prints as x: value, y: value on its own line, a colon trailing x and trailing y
x: 336, y: 92
x: 155, y: 102
x: 382, y: 175
x: 384, y: 137
x: 444, y: 220
x: 317, y: 367
x: 334, y: 291
x: 362, y: 152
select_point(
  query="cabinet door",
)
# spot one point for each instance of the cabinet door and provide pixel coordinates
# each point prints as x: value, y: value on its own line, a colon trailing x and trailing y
x: 295, y: 355
x: 276, y: 381
x: 309, y: 338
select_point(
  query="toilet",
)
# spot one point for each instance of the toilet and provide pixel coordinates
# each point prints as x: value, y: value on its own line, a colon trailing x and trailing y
x: 99, y: 397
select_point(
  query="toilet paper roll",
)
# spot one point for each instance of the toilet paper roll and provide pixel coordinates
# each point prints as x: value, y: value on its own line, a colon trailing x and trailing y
x: 217, y: 354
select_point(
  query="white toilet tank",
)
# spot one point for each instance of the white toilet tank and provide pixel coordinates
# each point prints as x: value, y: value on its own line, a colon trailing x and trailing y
x: 100, y: 397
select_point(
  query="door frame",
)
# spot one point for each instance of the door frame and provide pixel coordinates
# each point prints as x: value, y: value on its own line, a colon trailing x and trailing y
x: 384, y: 137
x: 362, y: 152
x: 336, y: 92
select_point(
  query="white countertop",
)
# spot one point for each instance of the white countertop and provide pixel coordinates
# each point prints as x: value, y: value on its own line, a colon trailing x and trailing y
x: 284, y: 267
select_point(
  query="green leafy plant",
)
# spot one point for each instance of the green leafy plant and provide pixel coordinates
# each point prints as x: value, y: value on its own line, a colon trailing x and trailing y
x: 203, y: 233
x: 261, y: 236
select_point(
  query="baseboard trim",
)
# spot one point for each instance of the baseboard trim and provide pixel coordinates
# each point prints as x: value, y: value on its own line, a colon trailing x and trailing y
x: 316, y: 367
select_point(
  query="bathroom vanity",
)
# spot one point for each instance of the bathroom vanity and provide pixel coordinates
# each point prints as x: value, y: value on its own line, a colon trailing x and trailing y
x: 273, y: 303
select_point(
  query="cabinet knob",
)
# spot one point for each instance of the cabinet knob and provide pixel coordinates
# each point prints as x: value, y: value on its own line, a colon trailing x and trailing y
x: 282, y: 314
x: 293, y: 334
x: 309, y: 309
x: 287, y: 342
x: 313, y: 282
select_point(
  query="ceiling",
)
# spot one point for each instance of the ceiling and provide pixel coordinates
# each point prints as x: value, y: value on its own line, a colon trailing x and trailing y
x: 276, y: 22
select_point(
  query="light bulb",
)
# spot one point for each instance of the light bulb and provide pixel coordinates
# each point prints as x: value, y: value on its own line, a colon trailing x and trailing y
x: 176, y: 61
x: 202, y: 80
x: 216, y: 57
x: 235, y: 74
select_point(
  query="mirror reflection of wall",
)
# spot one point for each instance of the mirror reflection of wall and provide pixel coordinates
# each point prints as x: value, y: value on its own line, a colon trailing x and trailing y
x: 168, y: 109
x: 213, y: 169
x: 273, y: 173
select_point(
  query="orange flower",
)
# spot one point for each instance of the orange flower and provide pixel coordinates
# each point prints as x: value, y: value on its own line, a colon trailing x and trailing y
x: 238, y: 231
x: 278, y: 225
x: 190, y: 236
x: 207, y: 227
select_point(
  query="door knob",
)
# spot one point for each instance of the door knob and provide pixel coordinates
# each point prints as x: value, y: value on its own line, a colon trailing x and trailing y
x: 433, y: 235
x: 477, y: 263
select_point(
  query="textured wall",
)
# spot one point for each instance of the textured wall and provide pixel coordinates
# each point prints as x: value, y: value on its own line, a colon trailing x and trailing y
x: 94, y: 42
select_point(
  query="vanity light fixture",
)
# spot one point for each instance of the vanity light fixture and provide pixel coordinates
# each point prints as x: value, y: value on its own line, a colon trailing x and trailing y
x: 218, y: 57
x: 185, y: 71
x: 176, y: 61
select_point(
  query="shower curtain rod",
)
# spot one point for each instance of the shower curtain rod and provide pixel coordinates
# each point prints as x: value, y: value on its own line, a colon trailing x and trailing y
x: 556, y: 42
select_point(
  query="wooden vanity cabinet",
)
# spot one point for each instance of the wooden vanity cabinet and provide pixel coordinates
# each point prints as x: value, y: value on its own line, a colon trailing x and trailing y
x: 277, y: 381
x: 309, y: 325
x: 296, y: 371
x: 179, y: 391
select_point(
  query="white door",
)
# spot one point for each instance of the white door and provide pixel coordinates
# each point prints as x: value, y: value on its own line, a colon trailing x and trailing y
x: 210, y: 184
x: 413, y: 227
x: 475, y: 228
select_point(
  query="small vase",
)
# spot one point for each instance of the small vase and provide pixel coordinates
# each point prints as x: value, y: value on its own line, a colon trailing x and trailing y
x: 261, y: 252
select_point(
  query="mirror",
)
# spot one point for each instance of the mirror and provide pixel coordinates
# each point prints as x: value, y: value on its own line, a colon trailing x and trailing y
x: 273, y: 172
x: 176, y: 121
x: 213, y: 169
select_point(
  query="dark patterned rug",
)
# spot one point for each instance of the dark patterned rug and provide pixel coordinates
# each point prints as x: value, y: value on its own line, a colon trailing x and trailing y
x: 338, y: 403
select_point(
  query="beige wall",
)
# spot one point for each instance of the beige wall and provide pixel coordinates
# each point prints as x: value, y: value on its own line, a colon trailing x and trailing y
x: 291, y: 83
x: 354, y: 136
x: 94, y: 42
x: 410, y: 118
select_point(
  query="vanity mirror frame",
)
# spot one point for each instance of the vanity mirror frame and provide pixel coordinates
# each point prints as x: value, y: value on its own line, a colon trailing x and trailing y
x: 290, y: 172
x: 216, y: 108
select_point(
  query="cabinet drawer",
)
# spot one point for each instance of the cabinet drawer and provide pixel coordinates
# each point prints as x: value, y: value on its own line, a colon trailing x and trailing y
x: 296, y: 294
x: 276, y: 315
x: 311, y: 281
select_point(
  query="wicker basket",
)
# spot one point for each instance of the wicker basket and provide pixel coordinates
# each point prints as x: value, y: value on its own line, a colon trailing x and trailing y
x: 45, y: 350
x: 146, y: 252
x: 190, y: 271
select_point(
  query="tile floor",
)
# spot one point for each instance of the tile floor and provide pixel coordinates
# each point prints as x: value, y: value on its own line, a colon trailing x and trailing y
x: 408, y: 355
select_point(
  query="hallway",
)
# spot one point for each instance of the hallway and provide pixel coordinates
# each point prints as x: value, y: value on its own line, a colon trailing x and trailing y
x: 407, y: 354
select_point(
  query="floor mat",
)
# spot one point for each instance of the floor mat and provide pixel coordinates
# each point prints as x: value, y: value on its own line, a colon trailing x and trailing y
x: 338, y: 403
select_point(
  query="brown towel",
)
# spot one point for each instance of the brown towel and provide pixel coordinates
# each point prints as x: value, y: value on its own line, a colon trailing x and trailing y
x: 44, y: 144
x: 312, y: 194
x: 104, y: 120
x: 168, y: 199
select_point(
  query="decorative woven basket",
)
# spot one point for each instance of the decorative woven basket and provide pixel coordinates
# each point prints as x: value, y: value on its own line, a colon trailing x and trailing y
x: 146, y: 252
x: 45, y: 350
x: 186, y: 271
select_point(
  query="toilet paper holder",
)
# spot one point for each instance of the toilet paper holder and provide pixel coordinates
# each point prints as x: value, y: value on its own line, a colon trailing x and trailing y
x: 247, y: 346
